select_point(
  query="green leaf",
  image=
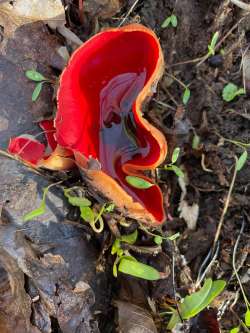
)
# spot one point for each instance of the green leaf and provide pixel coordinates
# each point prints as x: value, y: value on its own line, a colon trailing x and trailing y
x: 240, y: 91
x: 235, y: 330
x: 175, y: 319
x: 138, y: 269
x: 116, y: 246
x: 37, y: 91
x: 198, y: 301
x: 109, y: 207
x: 175, y: 154
x: 130, y: 239
x: 230, y: 91
x: 186, y: 96
x: 213, y: 42
x: 166, y: 22
x: 34, y: 75
x: 192, y: 303
x: 174, y: 20
x: 87, y: 214
x: 138, y: 182
x: 196, y: 142
x: 76, y: 201
x: 115, y: 269
x: 247, y: 318
x: 38, y: 211
x: 34, y: 213
x: 173, y: 237
x: 177, y: 171
x: 241, y: 160
x: 158, y: 240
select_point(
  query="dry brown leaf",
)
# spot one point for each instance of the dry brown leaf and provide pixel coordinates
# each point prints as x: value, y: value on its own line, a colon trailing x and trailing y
x: 102, y: 8
x: 134, y: 319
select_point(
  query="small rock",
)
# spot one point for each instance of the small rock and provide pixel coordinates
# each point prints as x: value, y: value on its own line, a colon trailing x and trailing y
x: 216, y: 61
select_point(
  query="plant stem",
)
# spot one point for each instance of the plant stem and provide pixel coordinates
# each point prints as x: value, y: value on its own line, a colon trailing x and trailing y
x: 129, y: 12
x: 241, y: 4
x: 177, y: 80
x: 234, y: 266
x: 218, y: 231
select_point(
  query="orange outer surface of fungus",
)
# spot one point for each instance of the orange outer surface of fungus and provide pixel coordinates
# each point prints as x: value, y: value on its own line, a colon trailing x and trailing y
x: 99, y: 116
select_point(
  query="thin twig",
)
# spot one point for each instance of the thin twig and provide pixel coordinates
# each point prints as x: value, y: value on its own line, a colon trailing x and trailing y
x: 226, y: 205
x: 15, y: 158
x: 200, y: 60
x: 80, y: 5
x: 166, y: 105
x: 129, y: 12
x: 201, y: 275
x: 217, y: 46
x: 177, y: 80
x: 173, y: 283
x: 234, y: 265
x: 241, y: 4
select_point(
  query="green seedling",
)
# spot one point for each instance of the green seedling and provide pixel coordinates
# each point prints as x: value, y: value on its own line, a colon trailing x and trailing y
x: 158, y: 239
x: 196, y: 302
x: 230, y: 91
x: 196, y: 142
x: 186, y: 95
x: 116, y: 248
x: 138, y: 182
x: 241, y: 160
x: 235, y: 330
x: 138, y: 269
x: 42, y: 208
x: 171, y: 166
x: 170, y: 21
x: 40, y: 79
x: 212, y: 45
x: 87, y: 213
x: 127, y: 264
x: 38, y: 211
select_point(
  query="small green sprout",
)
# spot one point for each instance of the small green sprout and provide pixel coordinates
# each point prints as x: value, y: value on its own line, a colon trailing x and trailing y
x: 87, y: 213
x: 138, y: 182
x: 38, y: 211
x: 170, y: 20
x: 196, y: 142
x: 171, y: 166
x: 235, y: 330
x: 127, y: 264
x: 212, y: 45
x: 42, y: 208
x: 186, y: 96
x: 230, y: 91
x: 138, y: 269
x: 241, y: 160
x: 196, y: 302
x: 36, y: 77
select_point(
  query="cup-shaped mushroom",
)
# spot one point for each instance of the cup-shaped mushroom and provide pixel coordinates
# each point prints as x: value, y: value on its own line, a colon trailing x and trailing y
x: 100, y: 118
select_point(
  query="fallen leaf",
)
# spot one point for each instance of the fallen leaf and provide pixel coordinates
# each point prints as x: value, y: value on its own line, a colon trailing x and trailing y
x: 102, y: 8
x: 134, y: 319
x: 189, y: 213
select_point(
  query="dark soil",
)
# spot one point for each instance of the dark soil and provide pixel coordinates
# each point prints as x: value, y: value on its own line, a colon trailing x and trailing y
x: 209, y: 168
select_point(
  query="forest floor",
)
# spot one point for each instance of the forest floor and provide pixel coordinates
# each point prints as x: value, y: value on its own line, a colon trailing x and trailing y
x: 209, y: 208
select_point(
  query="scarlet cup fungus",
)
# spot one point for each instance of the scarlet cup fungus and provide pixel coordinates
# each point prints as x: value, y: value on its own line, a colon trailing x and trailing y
x: 99, y: 118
